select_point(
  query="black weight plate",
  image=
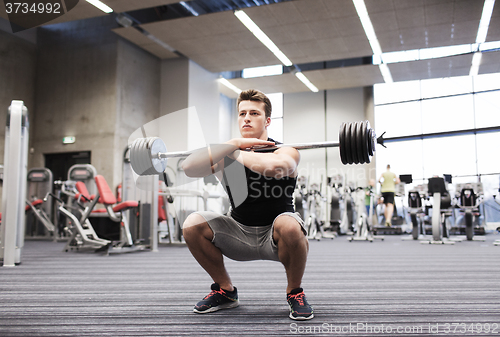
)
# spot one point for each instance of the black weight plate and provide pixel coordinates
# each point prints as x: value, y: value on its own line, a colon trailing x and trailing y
x: 364, y: 138
x: 361, y: 157
x: 367, y: 141
x: 347, y: 142
x: 342, y: 131
x: 354, y: 154
x: 370, y: 145
x: 359, y: 142
x: 370, y: 141
x: 354, y: 144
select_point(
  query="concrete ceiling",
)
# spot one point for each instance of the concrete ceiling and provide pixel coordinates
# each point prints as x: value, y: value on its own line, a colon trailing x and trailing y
x: 310, y: 31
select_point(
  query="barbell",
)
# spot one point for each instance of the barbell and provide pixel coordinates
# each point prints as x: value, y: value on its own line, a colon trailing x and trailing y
x: 148, y: 156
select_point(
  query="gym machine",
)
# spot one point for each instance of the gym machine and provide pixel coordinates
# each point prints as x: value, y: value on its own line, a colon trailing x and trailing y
x: 145, y: 190
x: 14, y: 186
x: 417, y: 212
x: 84, y: 173
x: 441, y: 210
x: 347, y: 213
x: 313, y: 224
x: 363, y: 229
x: 497, y: 242
x: 40, y: 181
x: 470, y: 197
x: 335, y: 184
x: 415, y: 206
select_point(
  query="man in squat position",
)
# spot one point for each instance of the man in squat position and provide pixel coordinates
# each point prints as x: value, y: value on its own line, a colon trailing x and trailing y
x: 261, y: 224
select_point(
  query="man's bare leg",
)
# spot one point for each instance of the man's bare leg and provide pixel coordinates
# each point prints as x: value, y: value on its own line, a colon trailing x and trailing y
x: 389, y: 210
x: 293, y: 247
x: 198, y: 236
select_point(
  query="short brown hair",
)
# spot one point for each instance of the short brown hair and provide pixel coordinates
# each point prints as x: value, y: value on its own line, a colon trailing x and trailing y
x: 255, y: 95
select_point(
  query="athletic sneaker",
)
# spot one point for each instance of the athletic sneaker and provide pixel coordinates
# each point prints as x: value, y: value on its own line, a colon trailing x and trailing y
x: 217, y: 299
x: 300, y: 310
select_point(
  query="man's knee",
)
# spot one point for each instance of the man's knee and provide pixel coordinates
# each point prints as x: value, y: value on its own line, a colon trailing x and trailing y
x: 289, y: 229
x: 194, y: 226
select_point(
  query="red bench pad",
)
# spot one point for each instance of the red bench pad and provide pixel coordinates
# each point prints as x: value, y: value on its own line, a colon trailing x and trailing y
x: 106, y: 196
x: 123, y: 206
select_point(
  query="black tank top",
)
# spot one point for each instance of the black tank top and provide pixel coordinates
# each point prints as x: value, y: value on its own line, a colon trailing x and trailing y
x: 267, y: 197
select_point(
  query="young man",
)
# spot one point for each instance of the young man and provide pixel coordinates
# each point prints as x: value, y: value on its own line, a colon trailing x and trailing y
x: 261, y: 224
x: 388, y: 180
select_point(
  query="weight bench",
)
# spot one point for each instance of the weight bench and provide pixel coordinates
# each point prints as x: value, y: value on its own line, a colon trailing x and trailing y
x: 82, y: 233
x: 85, y: 236
x: 116, y: 212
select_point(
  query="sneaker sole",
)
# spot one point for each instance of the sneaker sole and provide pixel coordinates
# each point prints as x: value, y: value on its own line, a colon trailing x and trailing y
x: 301, y: 318
x: 219, y: 307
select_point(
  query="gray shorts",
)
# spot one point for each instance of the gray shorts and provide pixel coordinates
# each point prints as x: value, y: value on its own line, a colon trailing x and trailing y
x: 245, y: 243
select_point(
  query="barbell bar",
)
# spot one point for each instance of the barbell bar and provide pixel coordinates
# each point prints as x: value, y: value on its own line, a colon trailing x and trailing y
x: 148, y: 156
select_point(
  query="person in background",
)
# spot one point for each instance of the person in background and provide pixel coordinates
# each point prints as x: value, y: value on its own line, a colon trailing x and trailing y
x: 388, y: 181
x: 368, y: 195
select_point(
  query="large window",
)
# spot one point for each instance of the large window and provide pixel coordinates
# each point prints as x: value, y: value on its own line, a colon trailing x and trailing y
x: 434, y: 110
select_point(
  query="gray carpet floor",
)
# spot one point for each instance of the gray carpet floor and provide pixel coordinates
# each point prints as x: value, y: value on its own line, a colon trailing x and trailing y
x: 390, y: 287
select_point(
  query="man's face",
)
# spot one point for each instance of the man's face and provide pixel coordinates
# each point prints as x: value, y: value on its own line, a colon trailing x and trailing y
x: 252, y: 119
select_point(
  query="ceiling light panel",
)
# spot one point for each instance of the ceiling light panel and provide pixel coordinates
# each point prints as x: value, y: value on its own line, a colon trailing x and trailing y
x: 485, y: 21
x: 120, y: 6
x: 262, y: 37
x: 217, y: 42
x: 266, y: 41
x: 409, y: 25
x: 102, y: 6
x: 331, y: 28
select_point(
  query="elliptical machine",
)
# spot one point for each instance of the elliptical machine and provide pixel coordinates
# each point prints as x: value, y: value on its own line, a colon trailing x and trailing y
x: 364, y: 231
x: 469, y: 199
x: 441, y: 209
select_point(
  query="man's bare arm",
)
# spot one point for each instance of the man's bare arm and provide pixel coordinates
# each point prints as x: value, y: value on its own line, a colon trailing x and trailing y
x: 278, y: 164
x: 208, y: 160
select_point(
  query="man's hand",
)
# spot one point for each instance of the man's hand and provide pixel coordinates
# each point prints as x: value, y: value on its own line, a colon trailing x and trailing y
x: 248, y: 143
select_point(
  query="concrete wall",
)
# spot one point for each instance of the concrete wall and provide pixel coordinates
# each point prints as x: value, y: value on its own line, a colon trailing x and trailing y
x: 174, y: 93
x: 138, y: 77
x: 95, y: 86
x: 17, y: 79
x: 76, y: 91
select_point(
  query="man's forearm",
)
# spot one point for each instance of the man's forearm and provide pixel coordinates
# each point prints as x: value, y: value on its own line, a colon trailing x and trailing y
x: 268, y: 164
x: 202, y: 162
